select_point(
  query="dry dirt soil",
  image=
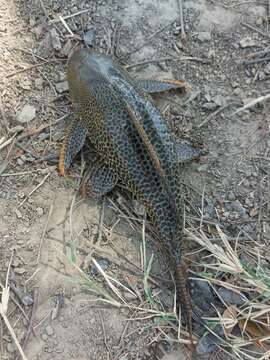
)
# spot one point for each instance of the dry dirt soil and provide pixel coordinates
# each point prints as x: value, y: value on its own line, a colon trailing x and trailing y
x: 41, y: 212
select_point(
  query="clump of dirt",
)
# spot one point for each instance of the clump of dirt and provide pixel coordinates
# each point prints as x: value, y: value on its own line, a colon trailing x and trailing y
x: 40, y: 217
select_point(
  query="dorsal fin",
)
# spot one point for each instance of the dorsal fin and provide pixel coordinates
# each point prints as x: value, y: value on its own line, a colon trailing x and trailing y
x: 147, y: 142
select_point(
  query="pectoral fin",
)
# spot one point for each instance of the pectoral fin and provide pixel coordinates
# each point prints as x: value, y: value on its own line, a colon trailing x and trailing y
x: 157, y: 86
x: 186, y: 151
x: 72, y: 144
x: 98, y: 181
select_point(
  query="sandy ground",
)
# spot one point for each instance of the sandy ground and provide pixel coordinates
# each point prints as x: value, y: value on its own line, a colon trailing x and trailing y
x: 39, y: 213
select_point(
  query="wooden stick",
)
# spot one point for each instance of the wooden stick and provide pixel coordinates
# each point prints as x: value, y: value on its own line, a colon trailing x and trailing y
x: 31, y: 321
x: 44, y: 233
x: 183, y: 33
x: 35, y: 189
x: 186, y: 58
x: 69, y: 16
x: 252, y: 103
x: 251, y: 27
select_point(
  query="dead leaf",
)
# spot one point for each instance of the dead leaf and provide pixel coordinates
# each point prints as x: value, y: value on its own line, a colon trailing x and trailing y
x: 229, y: 319
x: 255, y: 331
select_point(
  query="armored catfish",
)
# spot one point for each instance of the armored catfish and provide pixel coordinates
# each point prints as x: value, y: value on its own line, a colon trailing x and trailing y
x: 130, y: 137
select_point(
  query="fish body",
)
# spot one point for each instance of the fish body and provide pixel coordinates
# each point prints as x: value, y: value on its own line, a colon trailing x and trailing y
x: 131, y: 137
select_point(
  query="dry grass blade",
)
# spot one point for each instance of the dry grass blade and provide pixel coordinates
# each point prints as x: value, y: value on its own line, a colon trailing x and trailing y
x: 227, y: 261
x: 88, y: 283
x: 3, y: 312
x: 109, y: 281
x: 251, y: 281
x: 253, y: 103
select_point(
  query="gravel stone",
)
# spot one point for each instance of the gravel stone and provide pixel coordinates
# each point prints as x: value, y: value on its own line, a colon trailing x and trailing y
x: 247, y: 42
x: 49, y: 330
x: 204, y: 36
x: 27, y: 114
x: 61, y: 87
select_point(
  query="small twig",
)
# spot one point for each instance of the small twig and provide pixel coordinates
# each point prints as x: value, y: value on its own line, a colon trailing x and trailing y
x: 28, y: 172
x: 34, y: 190
x: 101, y: 219
x: 252, y: 103
x: 192, y: 97
x: 31, y: 321
x: 69, y: 16
x: 25, y: 69
x: 115, y: 40
x: 29, y: 52
x: 28, y: 151
x: 45, y: 317
x: 202, y: 210
x: 65, y: 25
x: 33, y: 67
x: 251, y: 27
x: 70, y: 216
x: 210, y: 117
x: 246, y: 2
x: 180, y: 7
x: 149, y: 38
x: 32, y: 132
x: 2, y: 113
x: 8, y: 325
x: 7, y: 142
x: 255, y: 61
x: 44, y: 9
x: 5, y: 163
x: 1, y: 338
x: 104, y: 333
x: 32, y: 276
x: 4, y: 307
x: 24, y: 299
x: 44, y: 233
x: 152, y: 61
x: 258, y: 53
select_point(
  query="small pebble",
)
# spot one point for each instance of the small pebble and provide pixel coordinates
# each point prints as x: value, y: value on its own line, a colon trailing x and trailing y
x: 66, y: 50
x: 204, y: 36
x: 237, y: 91
x: 26, y: 84
x: 49, y: 330
x: 219, y: 100
x: 19, y: 271
x: 246, y: 183
x: 61, y: 87
x: 249, y: 203
x: 27, y: 114
x: 259, y: 21
x: 103, y: 263
x: 237, y: 206
x: 231, y: 196
x: 44, y: 337
x: 247, y: 42
x: 16, y: 129
x: 254, y: 212
x: 209, y: 106
x: 20, y: 162
x: 18, y: 213
x: 39, y: 83
x: 56, y: 43
x: 89, y: 37
x: 11, y: 348
x: 231, y: 297
x: 267, y: 69
x: 203, y: 167
x: 39, y: 211
x: 234, y: 84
